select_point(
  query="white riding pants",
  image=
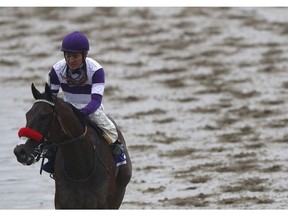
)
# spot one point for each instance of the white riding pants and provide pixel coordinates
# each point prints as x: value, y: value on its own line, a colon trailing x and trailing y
x: 103, y: 122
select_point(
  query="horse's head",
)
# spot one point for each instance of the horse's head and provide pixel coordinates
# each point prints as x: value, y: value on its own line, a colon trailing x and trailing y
x: 46, y: 123
x: 39, y: 119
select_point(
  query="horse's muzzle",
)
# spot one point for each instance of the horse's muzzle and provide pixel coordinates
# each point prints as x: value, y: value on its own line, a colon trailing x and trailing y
x: 22, y: 156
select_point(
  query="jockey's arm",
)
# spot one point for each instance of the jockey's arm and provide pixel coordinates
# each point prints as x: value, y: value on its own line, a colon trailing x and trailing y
x: 93, y: 105
x: 97, y: 91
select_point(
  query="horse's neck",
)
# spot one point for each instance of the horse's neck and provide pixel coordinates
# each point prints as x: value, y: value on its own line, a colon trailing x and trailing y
x: 78, y: 159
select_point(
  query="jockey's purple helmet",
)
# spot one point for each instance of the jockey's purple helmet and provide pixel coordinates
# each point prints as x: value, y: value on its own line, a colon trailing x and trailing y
x: 75, y: 42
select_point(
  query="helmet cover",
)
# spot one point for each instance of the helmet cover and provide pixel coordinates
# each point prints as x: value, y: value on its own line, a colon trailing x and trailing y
x: 75, y: 42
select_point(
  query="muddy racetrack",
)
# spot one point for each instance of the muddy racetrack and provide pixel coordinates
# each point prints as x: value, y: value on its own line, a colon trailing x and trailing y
x: 201, y: 95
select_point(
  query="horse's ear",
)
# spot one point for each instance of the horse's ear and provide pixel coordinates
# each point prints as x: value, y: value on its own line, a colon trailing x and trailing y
x: 48, y: 92
x: 35, y: 92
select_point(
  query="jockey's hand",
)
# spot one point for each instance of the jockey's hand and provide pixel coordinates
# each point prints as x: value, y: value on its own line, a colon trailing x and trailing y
x: 82, y: 115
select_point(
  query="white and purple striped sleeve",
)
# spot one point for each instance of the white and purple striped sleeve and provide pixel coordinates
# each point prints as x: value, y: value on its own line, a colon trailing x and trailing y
x: 98, y: 84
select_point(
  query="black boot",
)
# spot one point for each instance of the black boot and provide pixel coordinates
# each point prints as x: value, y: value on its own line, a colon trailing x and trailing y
x: 49, y: 165
x: 118, y: 153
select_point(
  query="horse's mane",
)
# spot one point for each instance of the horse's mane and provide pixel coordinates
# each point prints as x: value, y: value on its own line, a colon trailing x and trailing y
x: 80, y: 116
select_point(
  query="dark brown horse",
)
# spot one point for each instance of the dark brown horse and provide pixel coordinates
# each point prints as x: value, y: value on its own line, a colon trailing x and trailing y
x: 85, y: 174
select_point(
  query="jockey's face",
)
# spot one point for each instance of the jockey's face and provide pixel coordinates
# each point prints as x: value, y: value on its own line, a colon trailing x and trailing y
x: 73, y: 60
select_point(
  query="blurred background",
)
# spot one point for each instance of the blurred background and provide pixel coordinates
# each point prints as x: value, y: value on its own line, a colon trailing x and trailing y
x: 199, y: 92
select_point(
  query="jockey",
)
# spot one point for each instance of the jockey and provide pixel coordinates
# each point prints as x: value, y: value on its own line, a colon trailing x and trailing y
x: 82, y: 81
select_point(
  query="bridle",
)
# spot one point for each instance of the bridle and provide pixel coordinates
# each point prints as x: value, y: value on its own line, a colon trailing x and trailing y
x: 44, y: 144
x: 41, y: 151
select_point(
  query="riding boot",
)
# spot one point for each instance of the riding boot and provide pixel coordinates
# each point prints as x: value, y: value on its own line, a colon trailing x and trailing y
x: 118, y: 153
x: 49, y: 165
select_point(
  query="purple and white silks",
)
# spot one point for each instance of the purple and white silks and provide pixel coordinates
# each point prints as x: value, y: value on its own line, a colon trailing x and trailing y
x: 87, y: 97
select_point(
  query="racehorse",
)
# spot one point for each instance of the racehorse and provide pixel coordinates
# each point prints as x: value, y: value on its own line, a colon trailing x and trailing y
x: 85, y: 173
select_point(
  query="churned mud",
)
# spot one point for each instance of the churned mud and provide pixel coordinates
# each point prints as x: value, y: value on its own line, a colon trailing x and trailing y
x: 200, y: 94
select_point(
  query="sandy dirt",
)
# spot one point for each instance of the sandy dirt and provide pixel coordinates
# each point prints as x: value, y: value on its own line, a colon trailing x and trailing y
x: 200, y: 94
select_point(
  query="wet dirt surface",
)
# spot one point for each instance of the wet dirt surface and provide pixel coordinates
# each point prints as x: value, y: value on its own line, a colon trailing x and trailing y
x: 200, y: 94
